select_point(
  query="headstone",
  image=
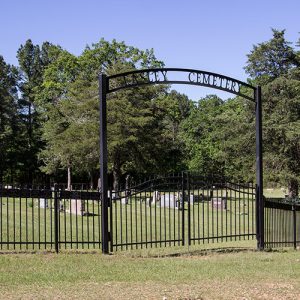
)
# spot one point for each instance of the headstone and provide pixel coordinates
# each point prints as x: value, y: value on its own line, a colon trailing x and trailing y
x: 148, y: 201
x: 99, y: 184
x: 219, y: 203
x: 192, y: 198
x: 124, y: 200
x: 171, y: 200
x: 43, y: 203
x: 156, y: 196
x: 77, y: 207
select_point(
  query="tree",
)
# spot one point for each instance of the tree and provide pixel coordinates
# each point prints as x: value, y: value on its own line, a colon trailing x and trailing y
x: 53, y: 99
x: 174, y: 108
x: 72, y: 111
x: 10, y: 130
x: 198, y: 133
x: 271, y: 59
x: 33, y: 60
x: 275, y: 65
x: 281, y: 108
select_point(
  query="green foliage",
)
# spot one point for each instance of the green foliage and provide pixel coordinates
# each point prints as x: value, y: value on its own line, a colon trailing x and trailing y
x: 220, y: 138
x: 33, y: 60
x: 50, y: 116
x: 275, y: 65
x: 282, y: 130
x: 69, y: 102
x: 198, y: 131
x: 271, y: 59
x: 10, y: 127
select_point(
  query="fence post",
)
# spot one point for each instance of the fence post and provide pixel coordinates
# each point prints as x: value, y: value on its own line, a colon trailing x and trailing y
x: 189, y: 207
x: 182, y: 208
x: 103, y: 162
x: 56, y: 218
x: 259, y: 171
x: 295, y: 226
x: 111, y: 220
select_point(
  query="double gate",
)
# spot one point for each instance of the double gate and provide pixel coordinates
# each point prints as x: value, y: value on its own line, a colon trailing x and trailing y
x: 176, y: 209
x: 181, y: 209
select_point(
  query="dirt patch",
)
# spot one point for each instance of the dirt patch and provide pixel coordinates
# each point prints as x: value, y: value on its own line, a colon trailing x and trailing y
x: 153, y: 290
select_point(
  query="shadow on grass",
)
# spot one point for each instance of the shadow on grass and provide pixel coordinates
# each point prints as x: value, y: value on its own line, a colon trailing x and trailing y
x: 136, y: 254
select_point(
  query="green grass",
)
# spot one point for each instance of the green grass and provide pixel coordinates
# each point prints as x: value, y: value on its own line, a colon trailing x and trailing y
x: 274, y: 193
x: 152, y: 274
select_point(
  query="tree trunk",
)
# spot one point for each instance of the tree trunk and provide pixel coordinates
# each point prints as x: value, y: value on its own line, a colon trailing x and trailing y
x: 117, y: 177
x: 91, y: 180
x: 293, y: 188
x: 30, y: 139
x: 69, y: 187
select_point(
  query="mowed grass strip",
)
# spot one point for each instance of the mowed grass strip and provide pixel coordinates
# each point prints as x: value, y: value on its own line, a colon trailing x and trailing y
x: 212, y: 275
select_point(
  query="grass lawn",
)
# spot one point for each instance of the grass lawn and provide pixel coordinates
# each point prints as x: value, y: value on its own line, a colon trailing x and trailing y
x: 185, y: 273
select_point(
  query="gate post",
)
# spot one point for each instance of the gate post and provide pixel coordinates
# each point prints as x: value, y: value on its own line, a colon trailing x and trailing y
x: 103, y: 162
x: 259, y: 172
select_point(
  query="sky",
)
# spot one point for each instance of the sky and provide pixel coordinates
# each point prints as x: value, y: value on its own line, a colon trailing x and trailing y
x: 214, y: 36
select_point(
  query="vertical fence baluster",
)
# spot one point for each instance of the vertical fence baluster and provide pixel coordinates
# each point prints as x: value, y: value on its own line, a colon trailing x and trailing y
x: 294, y: 226
x: 182, y: 209
x: 56, y: 216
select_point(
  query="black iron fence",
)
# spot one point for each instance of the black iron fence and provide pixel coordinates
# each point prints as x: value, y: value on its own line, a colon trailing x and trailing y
x: 282, y: 223
x: 49, y: 219
x: 177, y: 209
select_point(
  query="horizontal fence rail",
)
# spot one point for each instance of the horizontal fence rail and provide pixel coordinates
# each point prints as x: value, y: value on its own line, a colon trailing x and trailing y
x: 282, y: 223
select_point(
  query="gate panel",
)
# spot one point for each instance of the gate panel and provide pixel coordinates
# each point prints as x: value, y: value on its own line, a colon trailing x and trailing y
x: 147, y: 214
x: 220, y: 210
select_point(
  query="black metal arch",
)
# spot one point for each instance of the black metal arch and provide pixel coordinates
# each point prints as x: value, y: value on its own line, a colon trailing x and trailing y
x: 142, y: 77
x: 113, y: 83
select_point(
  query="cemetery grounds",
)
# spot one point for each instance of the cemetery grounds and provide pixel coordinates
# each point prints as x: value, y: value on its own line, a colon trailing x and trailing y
x: 228, y: 270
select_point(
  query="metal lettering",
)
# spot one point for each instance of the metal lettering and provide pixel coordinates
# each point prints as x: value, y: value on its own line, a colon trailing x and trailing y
x: 227, y: 84
x: 149, y: 78
x: 215, y: 81
x: 156, y: 76
x: 165, y: 75
x: 190, y: 76
x: 206, y: 79
x: 221, y: 82
x: 199, y: 78
x: 233, y: 84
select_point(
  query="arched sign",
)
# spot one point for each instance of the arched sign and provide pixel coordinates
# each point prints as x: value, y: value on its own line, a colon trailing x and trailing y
x: 179, y: 76
x: 131, y: 79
